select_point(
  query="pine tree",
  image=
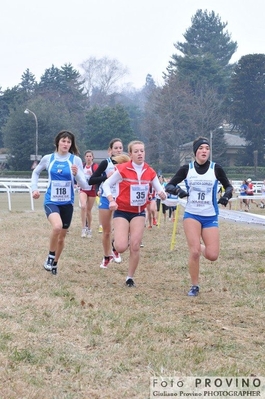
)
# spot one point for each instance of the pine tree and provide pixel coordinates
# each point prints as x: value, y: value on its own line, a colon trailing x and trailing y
x: 28, y: 82
x: 104, y: 123
x: 247, y: 93
x: 205, y: 53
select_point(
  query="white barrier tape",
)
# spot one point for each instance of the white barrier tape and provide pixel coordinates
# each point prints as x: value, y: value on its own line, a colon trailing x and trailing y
x: 250, y: 197
x: 235, y: 216
x: 240, y: 216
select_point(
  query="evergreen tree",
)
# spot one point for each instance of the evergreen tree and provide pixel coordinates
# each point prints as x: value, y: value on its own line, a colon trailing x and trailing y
x: 64, y: 85
x: 28, y: 82
x: 10, y: 99
x: 50, y: 81
x: 72, y: 88
x: 133, y: 102
x: 103, y: 124
x: 247, y: 94
x: 4, y: 112
x: 19, y: 132
x: 205, y: 53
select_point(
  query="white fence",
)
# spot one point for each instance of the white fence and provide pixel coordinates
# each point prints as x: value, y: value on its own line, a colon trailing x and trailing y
x: 256, y: 185
x: 17, y: 185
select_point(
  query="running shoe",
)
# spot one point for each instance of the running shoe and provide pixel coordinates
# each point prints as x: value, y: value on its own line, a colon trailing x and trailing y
x: 154, y: 222
x: 141, y: 245
x: 89, y: 233
x: 83, y: 233
x: 100, y: 229
x: 54, y: 270
x: 116, y: 256
x: 130, y: 283
x: 49, y: 263
x: 105, y: 262
x: 194, y: 291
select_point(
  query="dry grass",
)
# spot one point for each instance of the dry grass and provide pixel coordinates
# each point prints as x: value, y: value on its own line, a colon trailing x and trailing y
x: 83, y: 334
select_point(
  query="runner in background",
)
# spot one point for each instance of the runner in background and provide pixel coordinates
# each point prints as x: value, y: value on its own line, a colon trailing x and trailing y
x: 163, y: 183
x: 262, y: 201
x: 250, y: 191
x: 87, y: 197
x: 105, y: 169
x: 151, y: 217
x: 242, y: 194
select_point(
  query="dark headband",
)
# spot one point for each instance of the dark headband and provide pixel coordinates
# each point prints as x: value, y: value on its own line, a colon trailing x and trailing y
x: 198, y: 143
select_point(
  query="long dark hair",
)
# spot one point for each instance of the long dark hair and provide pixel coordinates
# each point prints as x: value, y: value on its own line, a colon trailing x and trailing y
x: 113, y: 141
x: 63, y: 134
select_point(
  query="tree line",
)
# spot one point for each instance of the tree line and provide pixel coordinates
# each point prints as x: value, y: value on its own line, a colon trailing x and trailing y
x: 201, y: 89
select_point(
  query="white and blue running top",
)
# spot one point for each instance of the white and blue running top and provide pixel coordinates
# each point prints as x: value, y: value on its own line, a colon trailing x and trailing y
x: 61, y: 180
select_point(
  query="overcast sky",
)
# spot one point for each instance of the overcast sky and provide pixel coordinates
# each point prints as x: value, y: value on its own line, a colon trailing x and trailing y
x: 140, y: 34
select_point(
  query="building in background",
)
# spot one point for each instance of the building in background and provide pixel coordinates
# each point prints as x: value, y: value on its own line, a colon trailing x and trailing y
x: 233, y: 141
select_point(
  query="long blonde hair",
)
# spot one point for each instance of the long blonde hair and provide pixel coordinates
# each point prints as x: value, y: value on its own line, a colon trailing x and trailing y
x: 121, y: 158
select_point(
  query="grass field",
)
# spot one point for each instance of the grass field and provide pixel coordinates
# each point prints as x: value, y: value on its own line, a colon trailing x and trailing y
x: 83, y: 334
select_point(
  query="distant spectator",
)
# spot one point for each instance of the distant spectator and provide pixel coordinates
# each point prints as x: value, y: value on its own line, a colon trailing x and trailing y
x: 250, y: 191
x: 243, y: 193
x: 163, y: 182
x: 230, y: 201
x: 262, y: 201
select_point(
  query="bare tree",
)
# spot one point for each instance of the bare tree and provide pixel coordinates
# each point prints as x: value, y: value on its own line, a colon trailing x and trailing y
x: 208, y: 111
x: 175, y: 116
x: 102, y: 75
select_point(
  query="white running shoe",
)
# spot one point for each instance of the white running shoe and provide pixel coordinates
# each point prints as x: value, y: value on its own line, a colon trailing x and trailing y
x: 83, y: 233
x: 89, y: 233
x: 48, y: 264
x: 116, y: 256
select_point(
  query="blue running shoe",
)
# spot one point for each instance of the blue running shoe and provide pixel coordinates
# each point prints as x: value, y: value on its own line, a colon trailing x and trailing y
x: 194, y: 291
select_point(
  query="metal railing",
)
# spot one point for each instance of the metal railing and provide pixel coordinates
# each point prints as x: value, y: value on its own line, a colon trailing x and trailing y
x: 17, y: 185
